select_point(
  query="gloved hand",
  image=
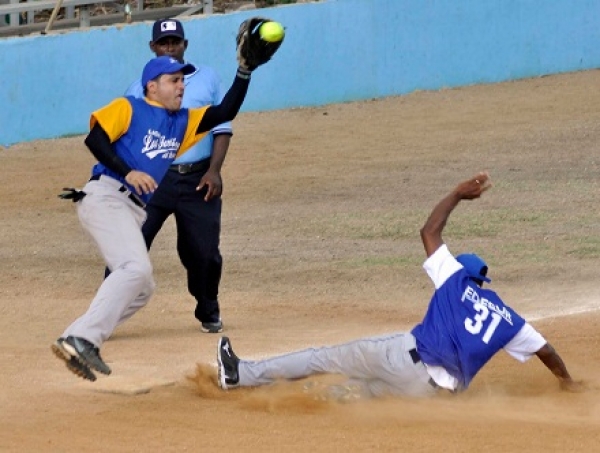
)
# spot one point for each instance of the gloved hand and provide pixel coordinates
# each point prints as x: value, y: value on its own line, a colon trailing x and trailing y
x: 252, y: 50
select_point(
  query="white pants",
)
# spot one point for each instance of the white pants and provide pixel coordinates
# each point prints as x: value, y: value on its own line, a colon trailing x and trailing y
x: 378, y: 365
x: 114, y: 222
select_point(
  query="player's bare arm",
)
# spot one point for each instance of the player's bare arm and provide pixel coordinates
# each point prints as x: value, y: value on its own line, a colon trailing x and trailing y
x: 555, y: 364
x: 212, y: 177
x: 431, y: 233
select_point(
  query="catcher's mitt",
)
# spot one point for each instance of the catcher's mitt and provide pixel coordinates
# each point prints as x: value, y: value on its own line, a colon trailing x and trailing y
x: 252, y: 50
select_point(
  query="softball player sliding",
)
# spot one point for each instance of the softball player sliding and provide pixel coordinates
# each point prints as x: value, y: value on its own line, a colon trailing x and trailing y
x: 465, y: 325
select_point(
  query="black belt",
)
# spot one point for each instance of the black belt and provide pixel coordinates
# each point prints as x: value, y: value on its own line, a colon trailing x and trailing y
x: 184, y: 169
x: 416, y: 358
x: 133, y: 197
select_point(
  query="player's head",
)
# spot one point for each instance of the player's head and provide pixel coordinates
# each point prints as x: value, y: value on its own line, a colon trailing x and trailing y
x: 162, y: 80
x: 475, y: 267
x: 168, y: 38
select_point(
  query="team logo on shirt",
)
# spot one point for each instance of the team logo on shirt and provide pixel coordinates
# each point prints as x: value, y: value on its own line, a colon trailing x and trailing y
x: 156, y: 144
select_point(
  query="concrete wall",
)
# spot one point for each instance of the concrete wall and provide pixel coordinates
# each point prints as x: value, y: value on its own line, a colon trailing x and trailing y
x: 335, y: 51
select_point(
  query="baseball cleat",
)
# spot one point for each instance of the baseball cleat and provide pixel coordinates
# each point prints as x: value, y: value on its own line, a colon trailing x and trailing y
x: 227, y: 364
x: 84, y: 352
x: 72, y: 363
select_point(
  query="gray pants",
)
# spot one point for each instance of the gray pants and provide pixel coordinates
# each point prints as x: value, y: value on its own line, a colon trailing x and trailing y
x: 379, y: 365
x: 114, y: 222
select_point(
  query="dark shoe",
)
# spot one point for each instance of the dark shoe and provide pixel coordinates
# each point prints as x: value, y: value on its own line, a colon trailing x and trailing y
x: 73, y: 364
x: 212, y: 327
x: 84, y: 352
x: 228, y: 364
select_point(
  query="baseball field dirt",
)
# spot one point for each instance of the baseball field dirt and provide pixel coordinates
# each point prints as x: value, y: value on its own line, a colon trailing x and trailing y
x: 322, y: 210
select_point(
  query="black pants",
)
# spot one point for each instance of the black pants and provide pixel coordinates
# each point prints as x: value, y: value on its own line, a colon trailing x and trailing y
x: 198, y: 234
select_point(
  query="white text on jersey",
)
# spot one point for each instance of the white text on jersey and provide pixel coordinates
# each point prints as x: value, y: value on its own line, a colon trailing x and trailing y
x: 155, y: 143
x: 471, y: 295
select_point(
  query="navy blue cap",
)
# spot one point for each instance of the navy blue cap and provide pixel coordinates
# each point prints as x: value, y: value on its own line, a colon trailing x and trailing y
x: 164, y: 65
x: 474, y: 265
x: 167, y: 27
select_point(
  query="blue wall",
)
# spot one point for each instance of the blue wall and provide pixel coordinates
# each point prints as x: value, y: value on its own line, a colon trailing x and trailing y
x: 335, y: 51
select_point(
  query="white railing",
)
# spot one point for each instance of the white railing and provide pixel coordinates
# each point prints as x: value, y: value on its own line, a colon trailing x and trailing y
x: 14, y: 10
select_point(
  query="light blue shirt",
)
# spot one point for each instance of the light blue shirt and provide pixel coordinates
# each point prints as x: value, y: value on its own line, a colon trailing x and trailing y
x: 202, y: 87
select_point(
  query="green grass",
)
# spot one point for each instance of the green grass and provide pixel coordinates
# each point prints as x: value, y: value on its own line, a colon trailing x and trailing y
x: 402, y: 225
x: 585, y: 247
x: 383, y: 261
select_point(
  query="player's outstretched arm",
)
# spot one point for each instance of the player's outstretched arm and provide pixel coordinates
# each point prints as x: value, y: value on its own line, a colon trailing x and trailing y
x: 555, y: 364
x: 431, y: 233
x: 229, y: 106
x: 253, y: 50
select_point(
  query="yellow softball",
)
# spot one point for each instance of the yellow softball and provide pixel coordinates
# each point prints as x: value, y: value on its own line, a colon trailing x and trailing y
x: 271, y: 31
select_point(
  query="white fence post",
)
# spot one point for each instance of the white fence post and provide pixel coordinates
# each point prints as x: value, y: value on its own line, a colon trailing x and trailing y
x: 13, y: 20
x: 84, y: 16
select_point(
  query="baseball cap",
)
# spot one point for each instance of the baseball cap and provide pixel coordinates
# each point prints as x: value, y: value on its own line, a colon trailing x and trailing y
x: 167, y: 27
x: 164, y: 65
x: 474, y: 265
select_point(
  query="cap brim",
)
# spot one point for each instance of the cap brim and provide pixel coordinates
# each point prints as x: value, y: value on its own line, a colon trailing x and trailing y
x: 168, y: 35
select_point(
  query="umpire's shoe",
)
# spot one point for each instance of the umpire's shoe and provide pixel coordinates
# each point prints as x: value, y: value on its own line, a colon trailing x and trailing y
x: 77, y: 349
x: 228, y: 364
x: 212, y: 327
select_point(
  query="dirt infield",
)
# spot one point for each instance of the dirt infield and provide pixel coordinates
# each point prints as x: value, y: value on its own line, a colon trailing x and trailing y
x: 322, y: 209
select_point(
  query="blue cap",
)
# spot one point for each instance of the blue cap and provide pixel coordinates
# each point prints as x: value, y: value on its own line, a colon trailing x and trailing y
x: 474, y: 265
x: 164, y: 65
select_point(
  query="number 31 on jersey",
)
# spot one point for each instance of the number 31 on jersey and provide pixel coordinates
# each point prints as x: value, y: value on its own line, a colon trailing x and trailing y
x: 475, y: 325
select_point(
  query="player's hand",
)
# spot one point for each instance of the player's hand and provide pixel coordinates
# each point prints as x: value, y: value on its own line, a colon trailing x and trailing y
x: 142, y: 182
x: 214, y: 183
x: 474, y: 187
x: 569, y: 385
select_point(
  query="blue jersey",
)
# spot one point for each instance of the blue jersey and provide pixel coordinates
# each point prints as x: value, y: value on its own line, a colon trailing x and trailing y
x: 464, y: 326
x: 202, y: 88
x: 146, y: 135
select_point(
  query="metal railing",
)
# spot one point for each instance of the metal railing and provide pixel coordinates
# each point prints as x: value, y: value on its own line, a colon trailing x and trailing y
x: 20, y: 17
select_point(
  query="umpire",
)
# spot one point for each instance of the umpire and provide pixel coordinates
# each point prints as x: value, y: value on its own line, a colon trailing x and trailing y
x: 191, y: 189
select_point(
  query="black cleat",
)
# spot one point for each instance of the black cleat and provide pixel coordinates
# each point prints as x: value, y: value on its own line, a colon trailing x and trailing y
x: 72, y: 363
x: 83, y: 351
x: 228, y: 364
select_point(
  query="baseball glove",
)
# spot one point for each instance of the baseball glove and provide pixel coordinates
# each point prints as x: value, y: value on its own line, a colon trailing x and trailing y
x: 252, y: 51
